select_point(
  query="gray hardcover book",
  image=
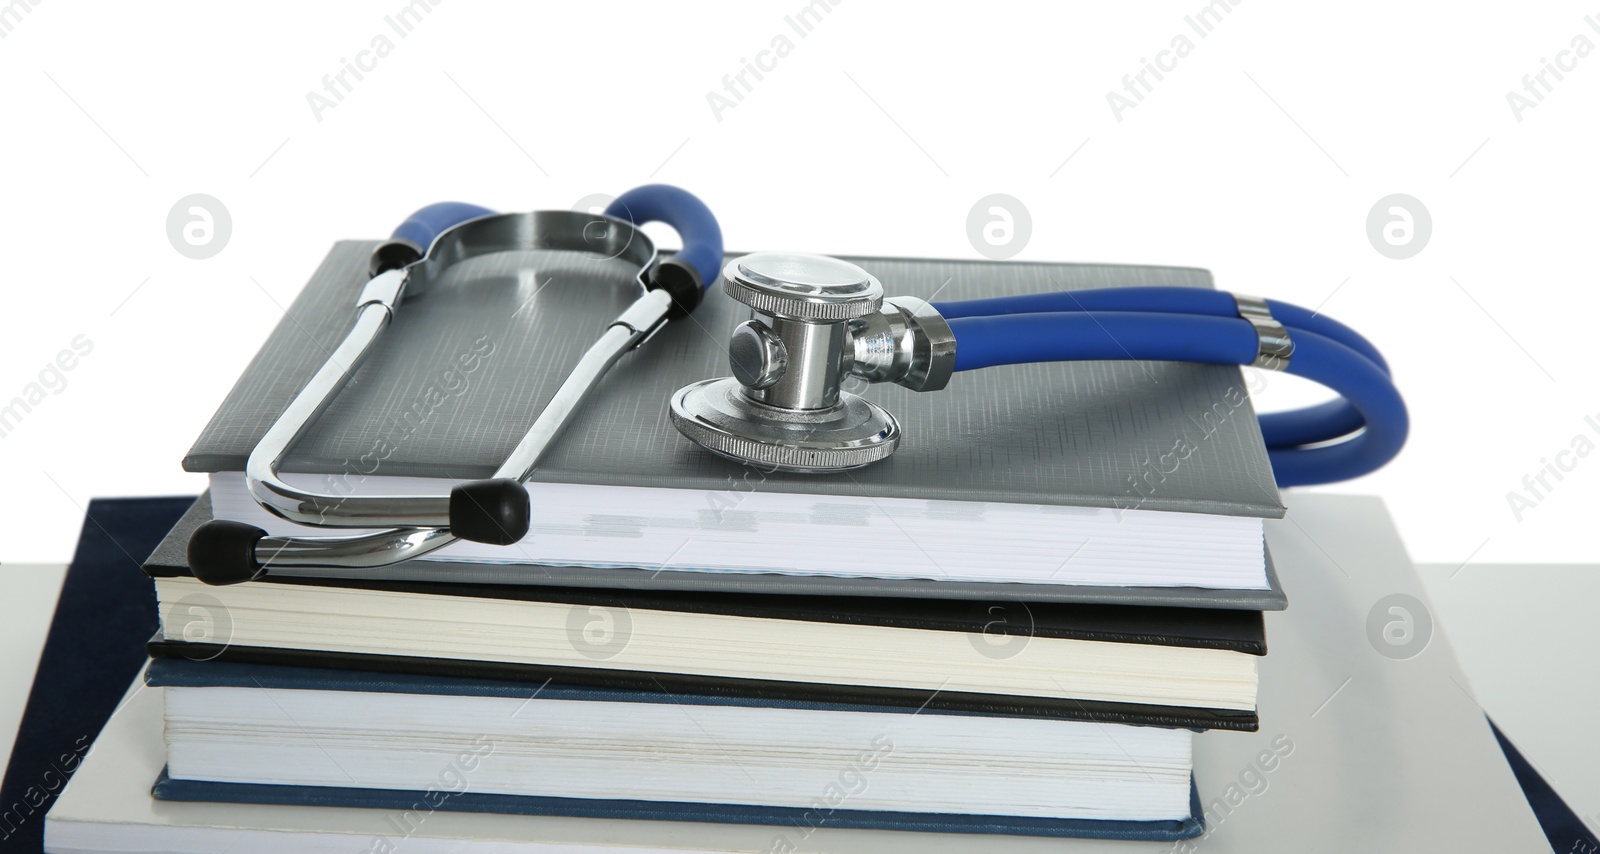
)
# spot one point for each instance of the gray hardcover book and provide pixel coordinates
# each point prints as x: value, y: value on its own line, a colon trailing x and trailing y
x: 466, y: 368
x: 169, y: 559
x: 1087, y: 434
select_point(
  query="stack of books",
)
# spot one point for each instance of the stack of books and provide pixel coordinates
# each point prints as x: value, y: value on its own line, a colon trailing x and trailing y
x: 1012, y: 626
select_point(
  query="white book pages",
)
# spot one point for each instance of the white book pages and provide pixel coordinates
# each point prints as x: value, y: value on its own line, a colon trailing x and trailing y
x: 689, y: 530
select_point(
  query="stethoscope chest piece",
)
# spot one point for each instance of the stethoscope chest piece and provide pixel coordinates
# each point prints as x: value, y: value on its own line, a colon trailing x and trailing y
x: 817, y: 322
x: 719, y: 416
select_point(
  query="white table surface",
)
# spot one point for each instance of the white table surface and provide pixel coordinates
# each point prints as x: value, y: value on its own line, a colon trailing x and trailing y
x: 27, y: 602
x: 1529, y: 641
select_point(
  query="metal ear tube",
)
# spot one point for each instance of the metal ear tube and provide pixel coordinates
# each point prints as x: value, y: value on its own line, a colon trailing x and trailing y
x: 495, y: 510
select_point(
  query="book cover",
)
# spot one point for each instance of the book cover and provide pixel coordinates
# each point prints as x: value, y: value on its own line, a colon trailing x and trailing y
x: 841, y: 818
x: 1089, y: 434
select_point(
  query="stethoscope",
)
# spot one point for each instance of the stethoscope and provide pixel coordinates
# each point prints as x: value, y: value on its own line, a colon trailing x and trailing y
x: 817, y: 324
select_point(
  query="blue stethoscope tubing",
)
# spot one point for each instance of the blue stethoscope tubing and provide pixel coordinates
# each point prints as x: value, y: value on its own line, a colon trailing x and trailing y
x: 1337, y: 440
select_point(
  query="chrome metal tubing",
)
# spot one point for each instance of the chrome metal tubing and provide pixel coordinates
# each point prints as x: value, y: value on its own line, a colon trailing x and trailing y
x: 632, y: 328
x: 311, y: 508
x: 375, y: 307
x: 810, y: 379
x: 628, y: 331
x: 367, y: 551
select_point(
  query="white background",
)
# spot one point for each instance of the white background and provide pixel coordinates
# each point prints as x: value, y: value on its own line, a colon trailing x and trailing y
x: 1258, y: 157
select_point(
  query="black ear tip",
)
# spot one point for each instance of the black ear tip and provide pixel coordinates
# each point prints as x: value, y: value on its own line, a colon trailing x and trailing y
x: 393, y: 255
x: 681, y: 281
x: 223, y: 552
x: 490, y: 511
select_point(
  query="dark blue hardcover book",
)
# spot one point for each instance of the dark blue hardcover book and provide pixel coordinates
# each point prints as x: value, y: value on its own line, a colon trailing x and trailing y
x: 423, y: 802
x: 200, y: 674
x: 105, y: 612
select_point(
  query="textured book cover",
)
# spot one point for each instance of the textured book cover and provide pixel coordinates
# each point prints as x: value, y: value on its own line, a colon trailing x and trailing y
x: 465, y: 369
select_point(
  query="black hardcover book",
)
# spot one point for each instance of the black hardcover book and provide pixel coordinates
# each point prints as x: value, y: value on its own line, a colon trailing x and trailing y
x: 1175, y: 667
